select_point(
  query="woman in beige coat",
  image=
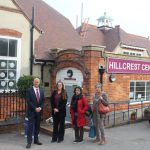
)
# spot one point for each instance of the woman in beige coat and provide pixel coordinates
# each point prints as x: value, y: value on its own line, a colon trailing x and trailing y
x: 97, y: 116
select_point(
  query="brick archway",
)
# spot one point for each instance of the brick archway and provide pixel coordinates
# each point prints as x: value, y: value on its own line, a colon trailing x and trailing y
x: 71, y: 63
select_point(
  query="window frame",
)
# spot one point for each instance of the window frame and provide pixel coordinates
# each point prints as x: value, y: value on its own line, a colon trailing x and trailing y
x: 134, y: 92
x: 9, y: 58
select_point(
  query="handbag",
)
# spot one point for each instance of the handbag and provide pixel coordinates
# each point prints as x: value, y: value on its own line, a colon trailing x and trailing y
x: 103, y: 108
x: 92, y: 130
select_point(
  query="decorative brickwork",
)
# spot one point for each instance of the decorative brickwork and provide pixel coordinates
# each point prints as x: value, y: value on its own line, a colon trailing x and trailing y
x: 10, y: 32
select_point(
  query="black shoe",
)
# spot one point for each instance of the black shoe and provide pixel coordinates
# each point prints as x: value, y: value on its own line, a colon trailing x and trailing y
x: 37, y: 142
x: 52, y: 141
x: 81, y: 140
x: 28, y: 146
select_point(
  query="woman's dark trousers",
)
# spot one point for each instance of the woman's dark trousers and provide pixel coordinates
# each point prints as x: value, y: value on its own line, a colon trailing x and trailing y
x: 58, y: 127
x: 79, y: 131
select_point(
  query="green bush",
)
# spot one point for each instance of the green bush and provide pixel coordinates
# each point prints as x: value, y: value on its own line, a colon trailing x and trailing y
x: 25, y: 82
x: 146, y: 110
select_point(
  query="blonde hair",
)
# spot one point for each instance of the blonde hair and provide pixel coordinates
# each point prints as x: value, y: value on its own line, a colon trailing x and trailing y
x: 98, y: 88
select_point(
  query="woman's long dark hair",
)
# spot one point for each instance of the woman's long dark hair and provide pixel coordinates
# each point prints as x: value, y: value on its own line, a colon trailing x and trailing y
x: 76, y: 97
x: 63, y: 92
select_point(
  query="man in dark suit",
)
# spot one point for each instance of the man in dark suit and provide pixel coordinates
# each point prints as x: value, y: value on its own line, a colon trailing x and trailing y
x: 35, y: 101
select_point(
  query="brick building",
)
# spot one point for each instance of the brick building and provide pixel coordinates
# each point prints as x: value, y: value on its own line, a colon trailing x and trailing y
x: 74, y: 56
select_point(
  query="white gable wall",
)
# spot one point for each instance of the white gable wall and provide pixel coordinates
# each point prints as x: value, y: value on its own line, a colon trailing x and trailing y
x: 16, y: 21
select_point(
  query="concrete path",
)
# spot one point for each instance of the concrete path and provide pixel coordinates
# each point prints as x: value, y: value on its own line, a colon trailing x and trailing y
x: 127, y: 137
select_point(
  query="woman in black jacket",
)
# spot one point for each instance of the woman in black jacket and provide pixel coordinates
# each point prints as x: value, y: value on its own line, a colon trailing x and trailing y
x: 58, y: 104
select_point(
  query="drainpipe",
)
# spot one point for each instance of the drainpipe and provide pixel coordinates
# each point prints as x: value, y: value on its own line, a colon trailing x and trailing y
x: 31, y: 41
x: 42, y: 71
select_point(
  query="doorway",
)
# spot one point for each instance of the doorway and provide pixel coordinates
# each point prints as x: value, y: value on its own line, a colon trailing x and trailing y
x: 71, y: 77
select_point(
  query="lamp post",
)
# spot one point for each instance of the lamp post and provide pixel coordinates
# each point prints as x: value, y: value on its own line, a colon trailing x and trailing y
x: 101, y: 72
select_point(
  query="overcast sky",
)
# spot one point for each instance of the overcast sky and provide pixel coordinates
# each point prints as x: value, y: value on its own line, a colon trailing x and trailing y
x: 133, y: 16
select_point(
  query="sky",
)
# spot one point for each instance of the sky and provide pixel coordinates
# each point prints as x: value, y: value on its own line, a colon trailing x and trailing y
x: 133, y: 16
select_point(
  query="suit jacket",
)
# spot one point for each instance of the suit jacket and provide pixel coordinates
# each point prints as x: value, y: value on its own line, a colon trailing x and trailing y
x: 33, y: 103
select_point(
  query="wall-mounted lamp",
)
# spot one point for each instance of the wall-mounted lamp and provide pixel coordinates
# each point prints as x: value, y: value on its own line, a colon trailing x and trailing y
x: 101, y: 70
x: 112, y: 77
x: 69, y: 73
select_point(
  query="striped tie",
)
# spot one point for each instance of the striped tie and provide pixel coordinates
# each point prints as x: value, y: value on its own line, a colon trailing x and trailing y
x: 37, y: 95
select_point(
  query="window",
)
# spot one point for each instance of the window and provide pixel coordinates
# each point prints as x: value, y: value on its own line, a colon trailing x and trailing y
x: 139, y: 90
x: 126, y: 53
x: 9, y: 68
x: 133, y: 53
x: 138, y: 54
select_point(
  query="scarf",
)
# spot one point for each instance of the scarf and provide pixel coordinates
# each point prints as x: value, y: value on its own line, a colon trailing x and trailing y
x: 74, y: 101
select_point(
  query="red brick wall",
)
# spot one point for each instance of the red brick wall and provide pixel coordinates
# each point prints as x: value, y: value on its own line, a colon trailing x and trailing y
x: 87, y: 61
x: 47, y: 109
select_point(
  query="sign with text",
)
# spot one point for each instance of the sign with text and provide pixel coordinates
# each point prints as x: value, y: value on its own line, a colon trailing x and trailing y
x: 117, y: 65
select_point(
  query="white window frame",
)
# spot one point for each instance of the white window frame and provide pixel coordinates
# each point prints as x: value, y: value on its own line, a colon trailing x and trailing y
x: 136, y: 100
x: 18, y: 58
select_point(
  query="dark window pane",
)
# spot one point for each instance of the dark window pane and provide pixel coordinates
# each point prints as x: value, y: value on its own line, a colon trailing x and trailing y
x: 3, y: 47
x: 131, y: 83
x: 140, y: 83
x: 140, y: 89
x: 131, y: 89
x: 13, y: 48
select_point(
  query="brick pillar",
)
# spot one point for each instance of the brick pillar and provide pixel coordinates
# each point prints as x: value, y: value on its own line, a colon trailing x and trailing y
x: 92, y: 59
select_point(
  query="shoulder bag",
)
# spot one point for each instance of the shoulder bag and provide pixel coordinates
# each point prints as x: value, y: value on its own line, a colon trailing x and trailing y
x: 103, y: 108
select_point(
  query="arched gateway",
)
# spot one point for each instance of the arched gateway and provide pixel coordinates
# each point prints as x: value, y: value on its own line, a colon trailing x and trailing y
x: 71, y: 77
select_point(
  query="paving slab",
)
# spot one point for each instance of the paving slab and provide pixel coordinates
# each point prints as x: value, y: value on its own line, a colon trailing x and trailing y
x: 128, y: 137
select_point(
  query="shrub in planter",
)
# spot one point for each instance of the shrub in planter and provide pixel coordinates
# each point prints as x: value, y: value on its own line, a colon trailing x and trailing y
x: 133, y: 115
x: 146, y: 112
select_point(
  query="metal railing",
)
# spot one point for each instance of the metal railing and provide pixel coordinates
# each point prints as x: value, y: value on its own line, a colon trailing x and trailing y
x: 122, y: 110
x: 12, y: 104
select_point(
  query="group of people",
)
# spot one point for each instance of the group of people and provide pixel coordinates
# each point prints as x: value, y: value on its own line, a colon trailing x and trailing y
x: 58, y: 101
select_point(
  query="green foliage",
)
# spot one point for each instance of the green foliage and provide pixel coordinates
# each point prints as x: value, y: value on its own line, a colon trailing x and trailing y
x: 25, y: 82
x: 133, y: 112
x: 146, y: 110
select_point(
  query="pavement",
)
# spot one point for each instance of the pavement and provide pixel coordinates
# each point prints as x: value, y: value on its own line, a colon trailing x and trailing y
x: 134, y: 136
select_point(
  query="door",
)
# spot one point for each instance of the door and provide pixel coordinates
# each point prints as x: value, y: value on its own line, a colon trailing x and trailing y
x: 69, y: 89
